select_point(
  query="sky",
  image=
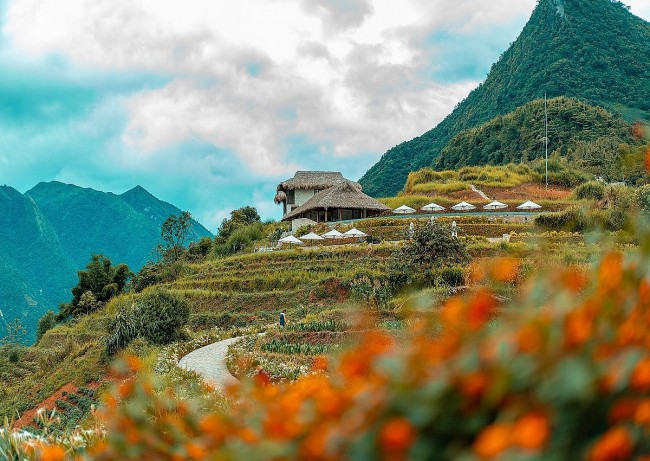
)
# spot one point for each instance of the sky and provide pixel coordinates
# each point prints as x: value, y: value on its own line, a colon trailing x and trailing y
x: 209, y: 104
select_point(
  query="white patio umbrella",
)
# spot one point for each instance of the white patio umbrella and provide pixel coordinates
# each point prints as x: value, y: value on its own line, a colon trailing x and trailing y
x: 433, y: 207
x: 463, y: 206
x: 404, y: 210
x: 290, y: 239
x: 333, y: 234
x: 354, y: 232
x: 529, y: 206
x: 311, y: 236
x: 495, y: 206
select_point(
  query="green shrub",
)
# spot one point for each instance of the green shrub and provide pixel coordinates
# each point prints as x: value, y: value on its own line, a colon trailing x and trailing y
x: 45, y: 323
x: 642, y: 197
x: 452, y: 276
x: 592, y: 190
x: 157, y: 315
x: 155, y: 273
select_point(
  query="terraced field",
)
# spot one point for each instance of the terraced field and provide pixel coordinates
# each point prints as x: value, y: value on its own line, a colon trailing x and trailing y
x: 250, y: 290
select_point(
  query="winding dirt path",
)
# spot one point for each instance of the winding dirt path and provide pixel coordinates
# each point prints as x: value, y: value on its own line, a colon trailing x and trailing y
x: 479, y: 192
x: 210, y: 363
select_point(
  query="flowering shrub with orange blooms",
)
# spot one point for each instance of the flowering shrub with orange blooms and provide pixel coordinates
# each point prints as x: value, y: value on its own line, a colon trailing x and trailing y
x: 560, y: 373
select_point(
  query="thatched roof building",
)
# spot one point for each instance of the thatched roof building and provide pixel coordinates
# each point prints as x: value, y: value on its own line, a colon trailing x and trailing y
x: 308, y: 180
x: 342, y: 201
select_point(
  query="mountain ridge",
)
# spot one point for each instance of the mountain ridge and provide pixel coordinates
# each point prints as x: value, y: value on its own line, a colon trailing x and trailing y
x: 594, y: 50
x: 51, y: 231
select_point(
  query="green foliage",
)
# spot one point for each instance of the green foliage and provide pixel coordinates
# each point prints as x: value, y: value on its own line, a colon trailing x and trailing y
x: 200, y: 249
x: 519, y: 136
x: 430, y: 247
x: 155, y: 273
x: 240, y: 239
x: 98, y: 283
x: 238, y: 218
x: 174, y: 232
x: 592, y: 190
x: 452, y: 276
x: 157, y: 315
x: 643, y: 198
x: 45, y: 323
x: 592, y: 50
x: 318, y: 325
x: 278, y: 346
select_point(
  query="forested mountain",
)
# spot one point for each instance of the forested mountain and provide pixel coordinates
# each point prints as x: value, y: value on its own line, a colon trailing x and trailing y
x: 50, y: 232
x: 593, y: 50
x: 35, y: 272
x: 519, y: 135
x: 123, y: 227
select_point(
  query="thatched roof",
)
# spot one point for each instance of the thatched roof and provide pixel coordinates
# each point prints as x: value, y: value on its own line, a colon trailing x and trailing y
x: 346, y: 194
x: 312, y: 180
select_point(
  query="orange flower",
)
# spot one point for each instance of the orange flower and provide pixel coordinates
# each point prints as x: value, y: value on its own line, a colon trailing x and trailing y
x: 574, y: 279
x: 642, y: 414
x: 195, y: 451
x: 505, y: 269
x: 578, y: 327
x: 611, y: 271
x: 397, y: 435
x: 321, y: 363
x: 647, y: 160
x: 213, y: 426
x: 52, y: 453
x: 615, y: 445
x: 640, y: 380
x: 247, y: 435
x: 530, y: 339
x: 531, y: 431
x: 623, y: 410
x: 493, y: 440
x: 475, y: 384
x: 481, y: 307
x: 134, y: 363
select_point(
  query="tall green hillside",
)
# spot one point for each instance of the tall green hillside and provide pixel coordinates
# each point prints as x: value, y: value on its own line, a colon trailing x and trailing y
x: 123, y: 227
x: 35, y: 272
x: 594, y: 50
x: 519, y: 135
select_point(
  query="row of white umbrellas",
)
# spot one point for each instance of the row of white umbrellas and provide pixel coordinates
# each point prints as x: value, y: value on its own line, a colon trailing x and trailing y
x: 464, y: 206
x: 354, y: 232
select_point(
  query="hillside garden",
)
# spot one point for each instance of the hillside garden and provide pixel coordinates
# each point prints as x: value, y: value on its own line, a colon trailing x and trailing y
x: 340, y: 300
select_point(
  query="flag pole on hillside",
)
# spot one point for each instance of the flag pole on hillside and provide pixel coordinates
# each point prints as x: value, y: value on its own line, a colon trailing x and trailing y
x: 546, y: 136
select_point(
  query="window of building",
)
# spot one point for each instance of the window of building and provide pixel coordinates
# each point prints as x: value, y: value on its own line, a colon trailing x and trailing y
x: 291, y: 197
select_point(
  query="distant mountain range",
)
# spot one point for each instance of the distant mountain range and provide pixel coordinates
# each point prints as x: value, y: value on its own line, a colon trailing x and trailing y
x: 592, y: 50
x: 50, y: 232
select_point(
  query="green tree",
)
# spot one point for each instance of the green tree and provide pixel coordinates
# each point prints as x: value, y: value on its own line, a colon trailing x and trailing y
x: 45, y: 323
x: 98, y: 283
x: 430, y: 247
x: 174, y: 232
x: 240, y: 217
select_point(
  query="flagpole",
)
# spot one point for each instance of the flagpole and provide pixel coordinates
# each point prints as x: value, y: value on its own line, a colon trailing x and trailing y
x: 546, y: 136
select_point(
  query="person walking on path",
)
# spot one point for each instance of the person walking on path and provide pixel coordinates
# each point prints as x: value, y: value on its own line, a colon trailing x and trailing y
x: 283, y: 319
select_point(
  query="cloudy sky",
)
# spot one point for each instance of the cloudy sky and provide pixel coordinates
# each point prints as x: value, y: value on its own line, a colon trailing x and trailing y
x: 209, y: 103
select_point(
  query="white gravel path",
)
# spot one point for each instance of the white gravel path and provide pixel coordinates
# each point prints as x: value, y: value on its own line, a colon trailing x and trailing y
x: 210, y: 363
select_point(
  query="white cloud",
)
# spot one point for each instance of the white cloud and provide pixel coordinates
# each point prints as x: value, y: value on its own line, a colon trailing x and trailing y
x: 348, y: 75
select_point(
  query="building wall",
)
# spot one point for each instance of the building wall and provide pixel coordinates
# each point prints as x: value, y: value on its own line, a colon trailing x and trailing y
x: 300, y: 222
x: 302, y: 195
